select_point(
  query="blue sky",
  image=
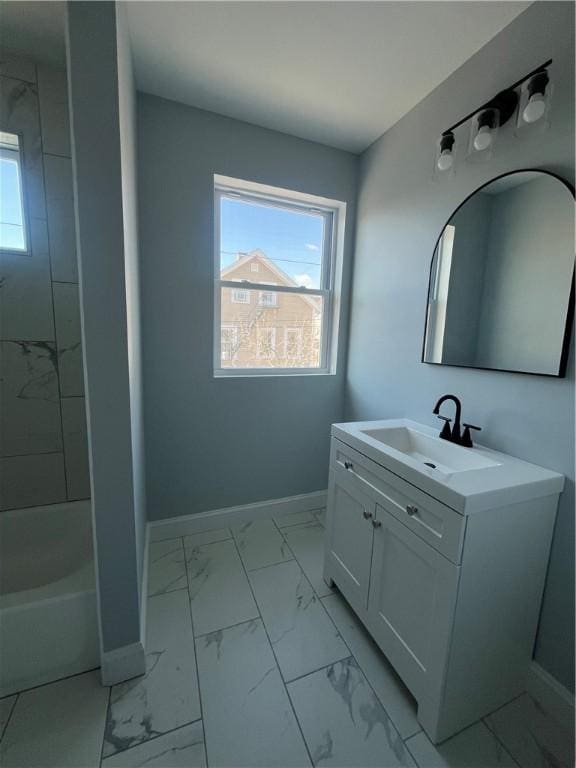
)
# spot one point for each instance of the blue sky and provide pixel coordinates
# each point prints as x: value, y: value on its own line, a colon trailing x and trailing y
x: 11, y: 225
x: 291, y: 239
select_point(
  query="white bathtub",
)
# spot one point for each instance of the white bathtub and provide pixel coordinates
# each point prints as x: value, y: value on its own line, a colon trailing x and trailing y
x: 48, y: 615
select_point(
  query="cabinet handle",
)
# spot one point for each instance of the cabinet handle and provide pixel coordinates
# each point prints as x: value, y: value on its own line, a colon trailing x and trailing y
x: 376, y: 523
x: 348, y: 465
x: 367, y: 515
x: 412, y: 510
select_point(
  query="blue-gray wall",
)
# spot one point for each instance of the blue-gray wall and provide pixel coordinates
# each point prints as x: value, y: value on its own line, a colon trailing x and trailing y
x: 214, y: 443
x: 401, y: 211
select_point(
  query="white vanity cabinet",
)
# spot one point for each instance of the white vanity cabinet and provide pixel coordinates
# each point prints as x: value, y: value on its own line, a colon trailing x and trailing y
x: 451, y: 598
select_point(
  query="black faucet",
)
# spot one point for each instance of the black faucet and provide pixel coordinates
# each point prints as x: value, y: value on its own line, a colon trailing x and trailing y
x: 454, y: 434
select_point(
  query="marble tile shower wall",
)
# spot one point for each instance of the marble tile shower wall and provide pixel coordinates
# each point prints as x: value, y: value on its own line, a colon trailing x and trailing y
x: 43, y: 443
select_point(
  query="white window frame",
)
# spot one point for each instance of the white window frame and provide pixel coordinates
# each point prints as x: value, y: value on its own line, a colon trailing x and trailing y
x: 15, y: 155
x: 334, y: 213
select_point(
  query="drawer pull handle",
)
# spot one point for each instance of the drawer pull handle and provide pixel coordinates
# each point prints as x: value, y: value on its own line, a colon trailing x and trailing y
x: 348, y: 465
x: 367, y: 515
x: 376, y: 523
x: 412, y: 510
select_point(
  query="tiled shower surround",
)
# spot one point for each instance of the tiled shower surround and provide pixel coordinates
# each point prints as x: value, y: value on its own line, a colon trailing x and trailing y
x: 43, y: 444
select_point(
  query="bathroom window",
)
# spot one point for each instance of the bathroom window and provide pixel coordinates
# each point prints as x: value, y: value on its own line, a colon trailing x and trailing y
x: 12, y: 215
x: 282, y: 246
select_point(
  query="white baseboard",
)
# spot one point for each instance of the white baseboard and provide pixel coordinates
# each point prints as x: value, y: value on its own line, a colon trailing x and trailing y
x: 144, y: 587
x: 123, y: 663
x: 551, y: 695
x: 204, y: 521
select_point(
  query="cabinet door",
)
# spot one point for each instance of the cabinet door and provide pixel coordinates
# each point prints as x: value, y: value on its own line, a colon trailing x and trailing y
x: 411, y: 604
x: 350, y: 533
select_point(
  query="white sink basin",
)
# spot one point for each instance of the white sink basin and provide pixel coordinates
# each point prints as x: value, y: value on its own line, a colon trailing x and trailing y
x: 466, y: 479
x: 430, y: 451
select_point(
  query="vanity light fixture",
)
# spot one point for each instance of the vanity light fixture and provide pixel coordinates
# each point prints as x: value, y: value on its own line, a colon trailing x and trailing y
x: 445, y: 158
x: 533, y: 93
x: 535, y: 107
x: 484, y: 129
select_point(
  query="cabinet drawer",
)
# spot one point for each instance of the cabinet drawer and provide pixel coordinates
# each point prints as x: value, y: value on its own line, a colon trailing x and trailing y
x: 437, y: 524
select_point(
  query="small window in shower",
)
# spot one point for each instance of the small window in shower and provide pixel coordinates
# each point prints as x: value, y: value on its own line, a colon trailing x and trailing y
x: 12, y: 215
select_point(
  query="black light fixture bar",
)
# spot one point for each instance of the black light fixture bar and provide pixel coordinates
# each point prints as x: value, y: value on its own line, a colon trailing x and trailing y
x: 493, y: 102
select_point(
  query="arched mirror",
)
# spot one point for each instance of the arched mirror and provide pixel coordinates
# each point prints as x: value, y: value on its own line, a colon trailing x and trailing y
x: 501, y: 282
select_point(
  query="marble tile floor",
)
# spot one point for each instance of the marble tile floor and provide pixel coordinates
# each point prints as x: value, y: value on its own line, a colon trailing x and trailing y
x: 253, y: 661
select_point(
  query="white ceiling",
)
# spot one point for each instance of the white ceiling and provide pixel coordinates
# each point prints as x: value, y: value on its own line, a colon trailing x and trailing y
x: 340, y: 73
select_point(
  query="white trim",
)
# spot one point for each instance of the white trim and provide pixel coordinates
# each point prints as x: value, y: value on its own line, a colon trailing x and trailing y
x: 123, y: 663
x: 552, y: 696
x: 144, y: 588
x: 183, y: 525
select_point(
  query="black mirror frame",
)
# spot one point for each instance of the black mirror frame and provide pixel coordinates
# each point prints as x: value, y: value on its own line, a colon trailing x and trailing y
x: 569, y: 312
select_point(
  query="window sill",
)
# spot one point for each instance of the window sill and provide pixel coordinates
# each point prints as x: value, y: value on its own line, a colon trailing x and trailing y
x: 269, y: 373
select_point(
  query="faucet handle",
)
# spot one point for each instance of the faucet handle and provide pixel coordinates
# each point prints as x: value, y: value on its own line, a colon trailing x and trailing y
x: 466, y: 437
x: 446, y: 432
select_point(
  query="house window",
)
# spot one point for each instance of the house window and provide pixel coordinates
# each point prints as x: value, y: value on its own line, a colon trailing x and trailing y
x: 284, y: 247
x: 12, y: 214
x: 240, y: 297
x: 293, y: 342
x: 228, y: 341
x: 268, y: 298
x: 266, y: 343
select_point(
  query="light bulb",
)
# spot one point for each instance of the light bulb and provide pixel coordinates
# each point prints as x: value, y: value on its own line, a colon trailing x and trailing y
x: 483, y: 138
x: 445, y: 160
x: 535, y: 108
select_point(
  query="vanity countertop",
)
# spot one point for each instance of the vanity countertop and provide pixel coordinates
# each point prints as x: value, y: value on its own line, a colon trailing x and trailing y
x: 468, y: 480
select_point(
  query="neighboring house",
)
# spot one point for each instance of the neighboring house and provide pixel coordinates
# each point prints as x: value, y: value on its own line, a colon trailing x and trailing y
x: 262, y: 329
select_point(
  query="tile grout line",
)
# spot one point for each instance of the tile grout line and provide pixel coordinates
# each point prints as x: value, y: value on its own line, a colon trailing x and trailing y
x: 407, y: 748
x: 274, y: 655
x: 319, y: 598
x: 268, y: 565
x: 495, y: 735
x: 365, y: 674
x: 271, y: 565
x: 195, y: 653
x: 171, y: 730
x: 5, y: 729
x: 50, y: 682
x: 166, y: 592
x: 151, y: 740
x: 320, y: 669
x: 105, y: 725
x: 56, y: 344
